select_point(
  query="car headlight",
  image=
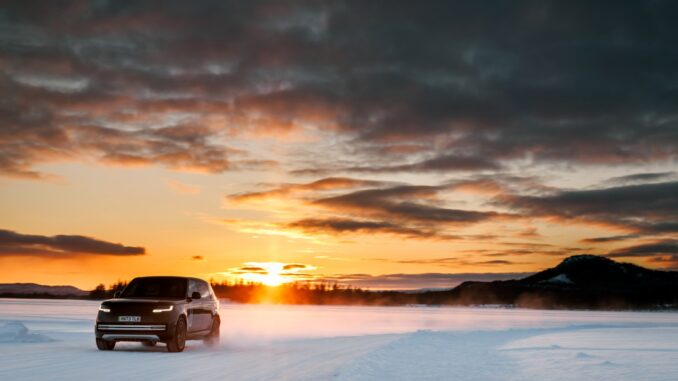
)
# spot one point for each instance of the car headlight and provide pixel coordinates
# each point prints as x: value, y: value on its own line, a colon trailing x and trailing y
x: 166, y: 309
x: 103, y: 308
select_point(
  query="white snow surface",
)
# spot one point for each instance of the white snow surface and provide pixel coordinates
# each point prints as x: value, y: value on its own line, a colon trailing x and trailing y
x: 269, y: 342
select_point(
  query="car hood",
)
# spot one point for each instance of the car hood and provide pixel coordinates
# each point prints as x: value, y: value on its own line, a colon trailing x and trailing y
x: 132, y: 301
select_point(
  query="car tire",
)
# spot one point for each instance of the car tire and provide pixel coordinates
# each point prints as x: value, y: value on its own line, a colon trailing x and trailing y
x: 178, y: 341
x: 148, y: 343
x: 105, y: 345
x: 212, y: 340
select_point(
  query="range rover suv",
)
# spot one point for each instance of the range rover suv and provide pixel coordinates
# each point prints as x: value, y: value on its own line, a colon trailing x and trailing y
x: 170, y: 310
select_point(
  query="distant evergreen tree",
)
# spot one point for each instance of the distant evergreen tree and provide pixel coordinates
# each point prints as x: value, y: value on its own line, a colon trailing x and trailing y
x: 99, y: 292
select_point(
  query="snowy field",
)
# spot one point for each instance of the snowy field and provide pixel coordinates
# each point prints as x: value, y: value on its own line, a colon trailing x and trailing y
x: 53, y: 340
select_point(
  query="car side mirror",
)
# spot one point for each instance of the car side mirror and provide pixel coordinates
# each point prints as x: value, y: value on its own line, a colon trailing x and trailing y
x: 195, y: 295
x: 116, y: 294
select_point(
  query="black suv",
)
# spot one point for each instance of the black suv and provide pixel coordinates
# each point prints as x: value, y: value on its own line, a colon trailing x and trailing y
x: 160, y: 309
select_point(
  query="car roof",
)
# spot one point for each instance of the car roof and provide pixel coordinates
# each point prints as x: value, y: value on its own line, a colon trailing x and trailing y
x: 170, y: 277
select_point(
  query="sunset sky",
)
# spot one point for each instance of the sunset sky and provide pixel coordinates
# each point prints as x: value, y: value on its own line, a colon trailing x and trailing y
x: 383, y: 144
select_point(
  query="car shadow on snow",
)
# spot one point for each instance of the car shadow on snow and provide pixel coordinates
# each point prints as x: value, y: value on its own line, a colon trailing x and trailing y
x: 133, y: 347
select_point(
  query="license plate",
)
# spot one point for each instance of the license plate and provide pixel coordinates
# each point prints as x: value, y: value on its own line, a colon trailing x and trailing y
x: 131, y: 319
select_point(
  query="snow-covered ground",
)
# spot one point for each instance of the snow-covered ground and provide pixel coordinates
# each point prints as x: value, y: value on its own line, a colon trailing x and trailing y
x: 53, y: 340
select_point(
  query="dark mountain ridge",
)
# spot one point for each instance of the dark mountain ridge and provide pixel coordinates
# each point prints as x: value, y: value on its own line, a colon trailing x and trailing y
x: 39, y: 290
x: 579, y: 282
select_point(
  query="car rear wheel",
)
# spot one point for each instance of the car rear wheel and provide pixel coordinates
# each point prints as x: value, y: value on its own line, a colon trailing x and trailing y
x: 178, y: 341
x: 105, y: 345
x: 212, y: 339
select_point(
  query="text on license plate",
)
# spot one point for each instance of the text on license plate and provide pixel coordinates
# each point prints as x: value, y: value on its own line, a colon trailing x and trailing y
x: 129, y: 318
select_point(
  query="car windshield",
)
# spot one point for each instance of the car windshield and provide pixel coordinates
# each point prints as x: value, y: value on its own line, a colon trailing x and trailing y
x: 162, y: 288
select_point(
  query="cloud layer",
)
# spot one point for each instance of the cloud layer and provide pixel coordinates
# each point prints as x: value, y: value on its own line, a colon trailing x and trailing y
x: 406, y: 87
x: 645, y: 214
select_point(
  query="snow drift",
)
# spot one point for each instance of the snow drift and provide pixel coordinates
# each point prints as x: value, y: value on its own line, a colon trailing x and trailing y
x: 16, y: 332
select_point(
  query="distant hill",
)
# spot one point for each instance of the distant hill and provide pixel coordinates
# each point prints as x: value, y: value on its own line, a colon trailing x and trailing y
x: 581, y: 281
x: 33, y: 289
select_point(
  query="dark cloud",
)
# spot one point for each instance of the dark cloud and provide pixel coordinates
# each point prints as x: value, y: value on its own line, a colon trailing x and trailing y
x: 449, y: 163
x: 667, y: 262
x: 614, y: 238
x: 344, y: 225
x: 432, y: 86
x: 252, y: 269
x: 527, y: 249
x: 647, y: 250
x: 443, y: 163
x: 294, y: 266
x: 328, y: 183
x: 454, y: 261
x: 642, y: 178
x: 197, y: 258
x: 16, y: 244
x: 646, y: 208
x: 403, y: 202
x: 663, y: 253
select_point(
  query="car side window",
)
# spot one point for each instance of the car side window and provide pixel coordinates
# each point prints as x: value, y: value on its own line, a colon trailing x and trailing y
x: 193, y: 287
x: 203, y: 289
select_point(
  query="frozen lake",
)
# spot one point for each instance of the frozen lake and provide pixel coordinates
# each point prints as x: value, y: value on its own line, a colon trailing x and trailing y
x: 270, y: 342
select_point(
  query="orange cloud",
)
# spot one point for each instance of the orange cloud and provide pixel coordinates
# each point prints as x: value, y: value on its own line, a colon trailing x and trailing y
x: 183, y: 188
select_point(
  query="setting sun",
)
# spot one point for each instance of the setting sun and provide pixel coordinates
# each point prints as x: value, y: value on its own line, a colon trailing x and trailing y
x: 269, y: 273
x: 271, y: 276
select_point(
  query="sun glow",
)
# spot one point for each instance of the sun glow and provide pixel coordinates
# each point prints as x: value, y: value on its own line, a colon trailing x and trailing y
x: 271, y: 277
x: 269, y: 273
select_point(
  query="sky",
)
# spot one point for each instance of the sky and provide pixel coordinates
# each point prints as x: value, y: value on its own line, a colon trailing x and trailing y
x: 383, y: 144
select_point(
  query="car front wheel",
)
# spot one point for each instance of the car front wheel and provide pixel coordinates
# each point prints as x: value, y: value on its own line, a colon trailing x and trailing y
x: 105, y: 345
x: 178, y: 341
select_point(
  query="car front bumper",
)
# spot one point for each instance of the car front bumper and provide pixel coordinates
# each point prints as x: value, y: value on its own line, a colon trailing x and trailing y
x: 133, y: 332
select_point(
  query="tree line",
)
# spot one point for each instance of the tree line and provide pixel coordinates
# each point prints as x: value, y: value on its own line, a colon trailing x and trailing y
x: 323, y: 293
x: 101, y: 292
x: 307, y: 293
